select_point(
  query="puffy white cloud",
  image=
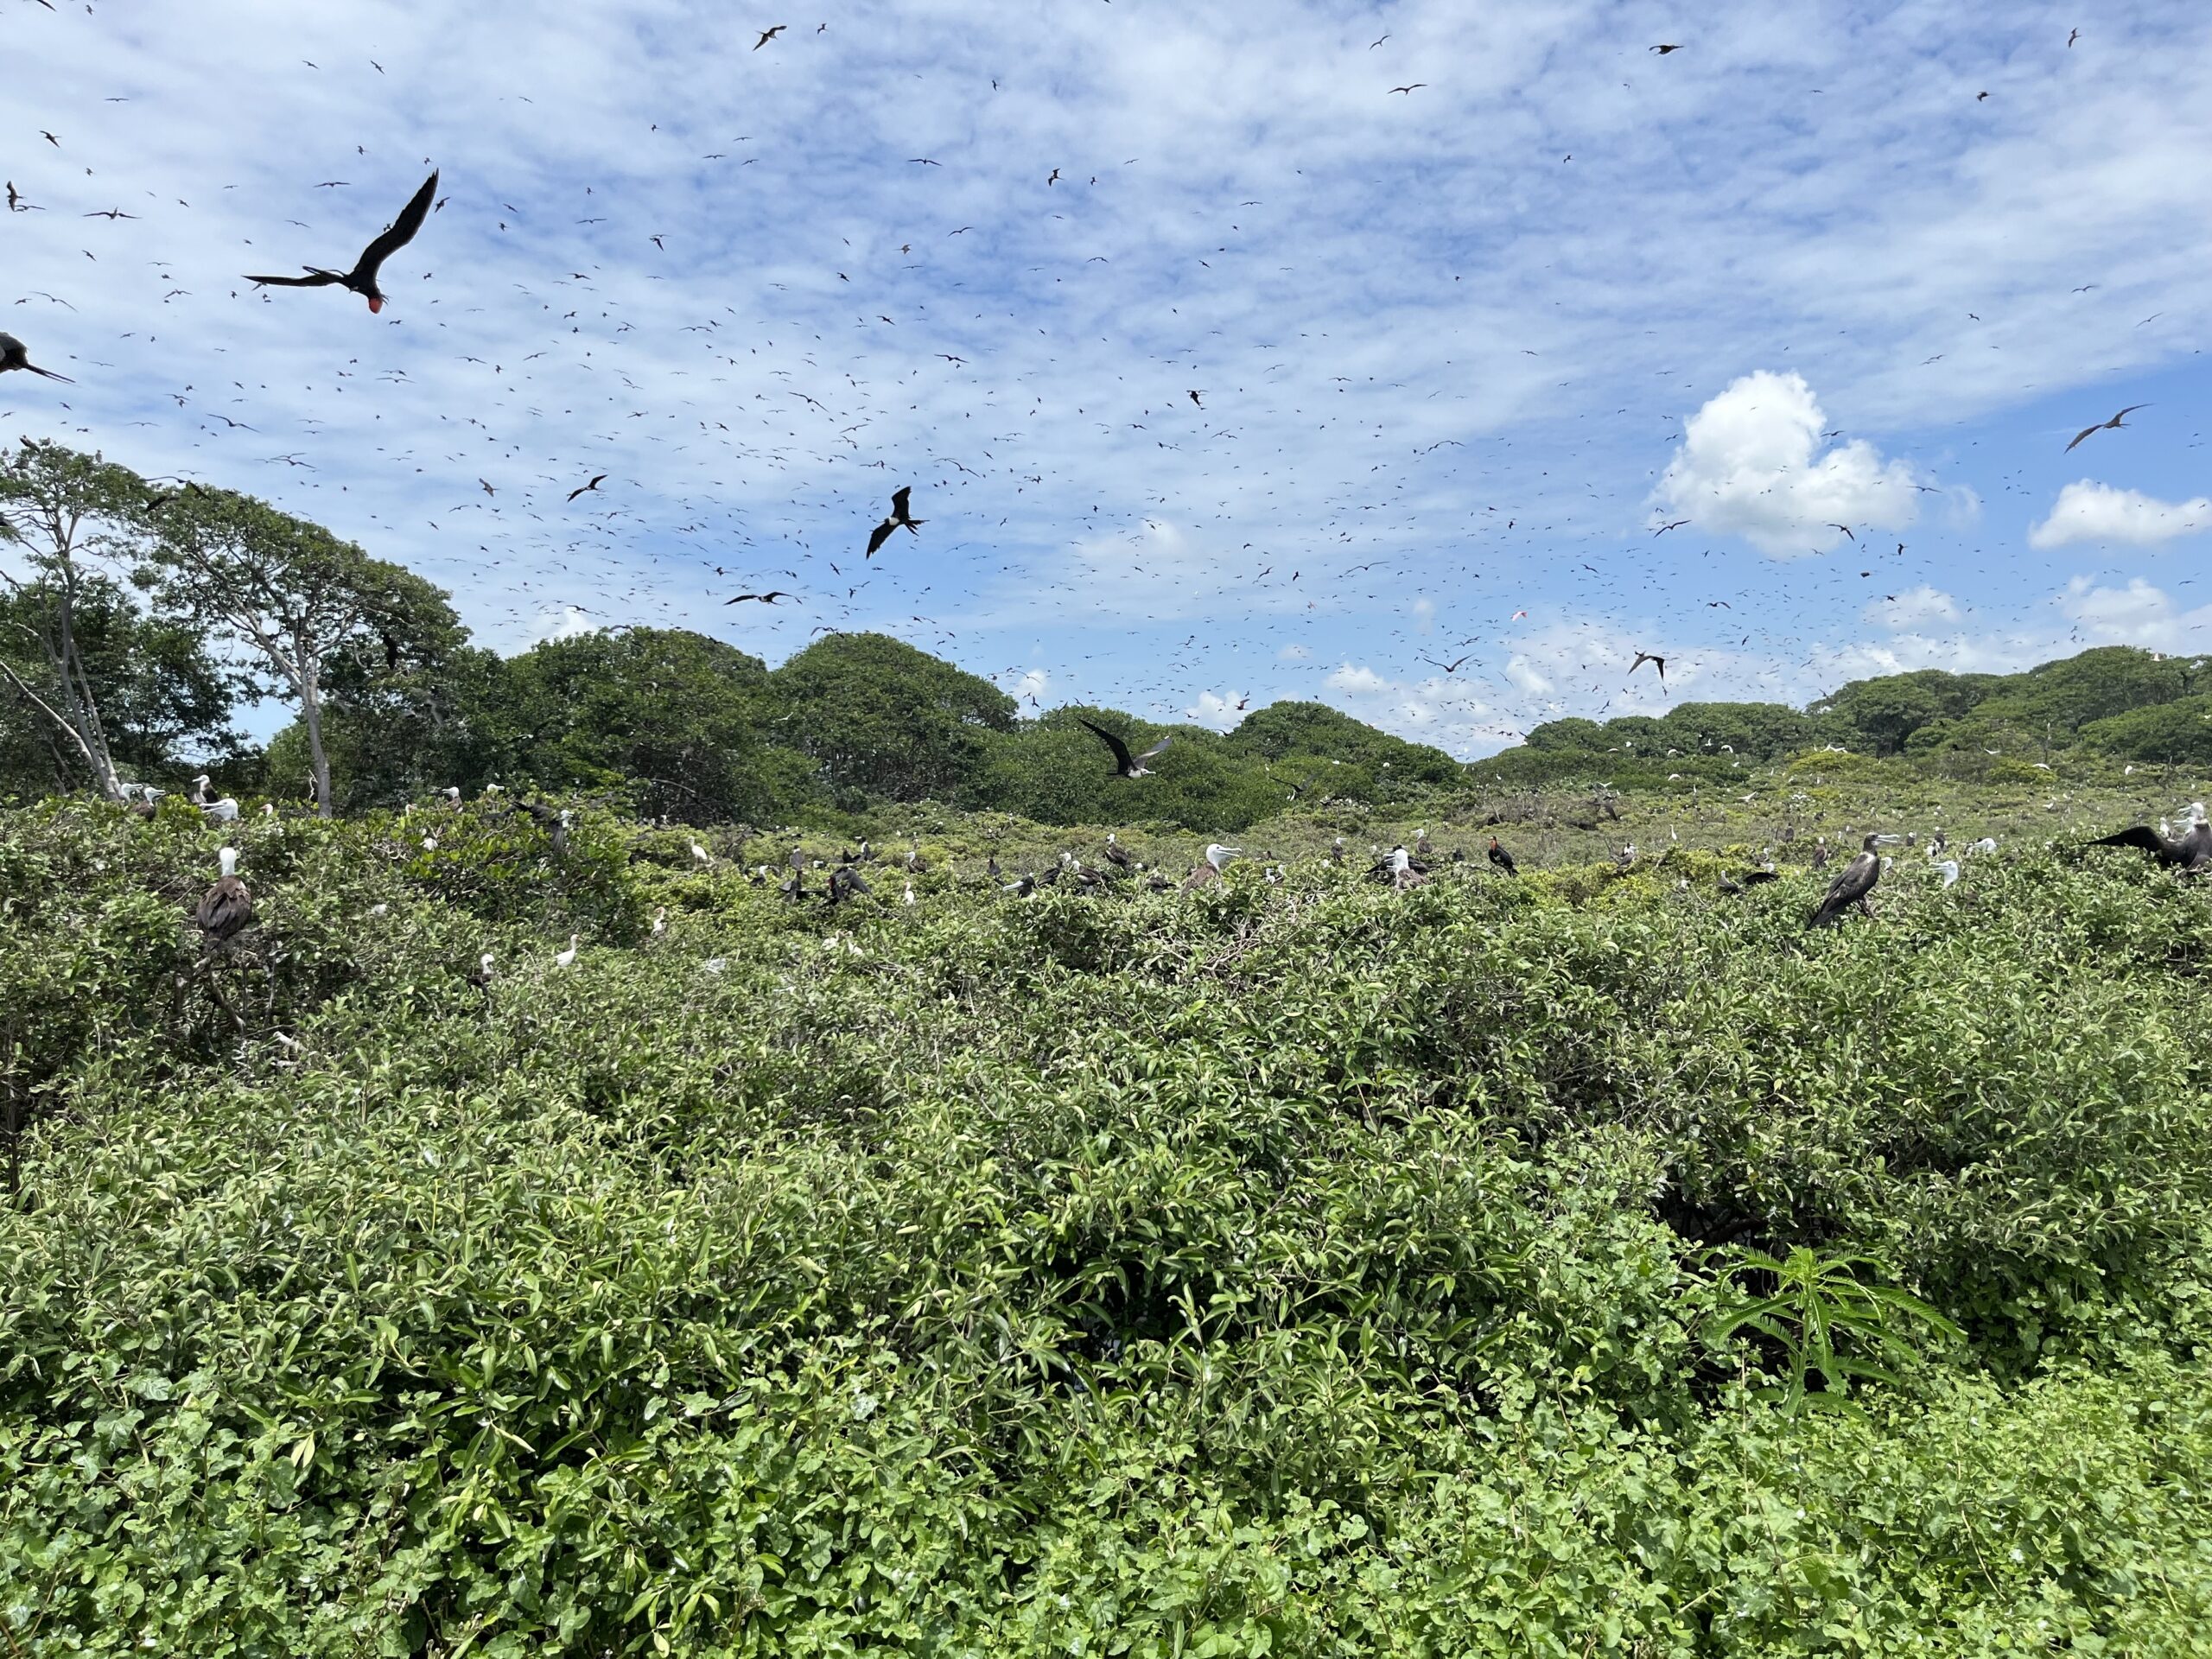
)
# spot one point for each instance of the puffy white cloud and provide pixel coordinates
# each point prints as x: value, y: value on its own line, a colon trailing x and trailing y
x: 2089, y: 511
x: 1035, y: 683
x: 1523, y: 674
x: 1750, y: 464
x: 2138, y: 614
x: 1356, y: 682
x: 1912, y: 608
x: 565, y: 623
x: 1219, y: 709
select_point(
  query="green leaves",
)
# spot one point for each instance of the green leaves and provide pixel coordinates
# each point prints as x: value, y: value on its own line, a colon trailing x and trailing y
x: 1826, y: 1322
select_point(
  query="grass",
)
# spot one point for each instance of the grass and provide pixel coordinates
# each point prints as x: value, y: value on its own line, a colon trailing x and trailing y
x: 1290, y: 1267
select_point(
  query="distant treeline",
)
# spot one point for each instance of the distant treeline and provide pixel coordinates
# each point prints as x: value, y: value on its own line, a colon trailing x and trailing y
x: 135, y: 618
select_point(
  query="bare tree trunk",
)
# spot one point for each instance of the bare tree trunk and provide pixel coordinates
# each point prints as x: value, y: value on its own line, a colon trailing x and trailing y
x: 311, y: 713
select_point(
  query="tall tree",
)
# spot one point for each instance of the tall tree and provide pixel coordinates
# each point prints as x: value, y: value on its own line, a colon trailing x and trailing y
x: 152, y: 680
x: 301, y: 600
x: 881, y: 717
x: 65, y: 515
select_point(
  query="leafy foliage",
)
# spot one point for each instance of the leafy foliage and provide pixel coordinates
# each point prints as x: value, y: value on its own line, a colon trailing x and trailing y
x: 1291, y: 1265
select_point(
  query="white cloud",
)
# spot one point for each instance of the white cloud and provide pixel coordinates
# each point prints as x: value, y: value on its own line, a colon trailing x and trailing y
x: 2138, y: 614
x: 1518, y: 670
x: 1032, y: 685
x: 1294, y: 654
x: 1357, y: 682
x: 565, y: 623
x: 1750, y: 464
x: 2089, y: 511
x: 1219, y: 709
x: 1912, y: 608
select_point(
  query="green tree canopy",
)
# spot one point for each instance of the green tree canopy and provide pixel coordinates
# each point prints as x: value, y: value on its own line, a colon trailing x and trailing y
x: 877, y: 715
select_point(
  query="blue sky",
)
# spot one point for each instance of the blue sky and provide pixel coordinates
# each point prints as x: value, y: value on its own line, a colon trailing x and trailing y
x: 1459, y: 351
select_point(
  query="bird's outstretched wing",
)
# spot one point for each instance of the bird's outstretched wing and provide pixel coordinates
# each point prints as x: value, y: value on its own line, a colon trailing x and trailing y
x: 402, y: 230
x: 2141, y: 834
x: 1121, y: 760
x: 879, y: 535
x: 2084, y: 433
x: 1157, y: 748
x: 899, y: 500
x: 313, y: 279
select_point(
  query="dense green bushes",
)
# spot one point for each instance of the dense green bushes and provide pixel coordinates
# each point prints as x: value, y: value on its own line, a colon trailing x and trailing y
x: 1283, y: 1267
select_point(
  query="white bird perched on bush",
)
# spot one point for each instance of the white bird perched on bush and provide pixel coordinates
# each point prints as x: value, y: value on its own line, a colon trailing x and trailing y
x: 909, y: 893
x: 1946, y: 868
x: 660, y: 921
x: 1218, y: 857
x: 701, y: 854
x: 567, y: 958
x: 225, y: 810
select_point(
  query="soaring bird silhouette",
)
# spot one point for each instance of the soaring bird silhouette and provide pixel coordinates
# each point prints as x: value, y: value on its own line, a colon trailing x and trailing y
x: 768, y: 35
x: 1125, y: 764
x: 597, y: 479
x: 14, y: 354
x: 899, y: 515
x: 2112, y: 425
x: 362, y: 279
x: 1659, y: 663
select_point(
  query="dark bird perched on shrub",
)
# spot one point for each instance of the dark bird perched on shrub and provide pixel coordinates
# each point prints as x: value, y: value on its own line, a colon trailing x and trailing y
x: 1502, y: 859
x: 845, y: 882
x: 1209, y: 871
x: 1125, y: 764
x: 227, y: 907
x: 2189, y: 852
x: 1851, y: 886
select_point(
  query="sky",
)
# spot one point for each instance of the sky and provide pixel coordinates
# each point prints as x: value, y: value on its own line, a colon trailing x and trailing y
x: 1518, y: 346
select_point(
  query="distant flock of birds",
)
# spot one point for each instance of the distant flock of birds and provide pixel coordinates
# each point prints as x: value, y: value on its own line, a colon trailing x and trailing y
x: 226, y: 908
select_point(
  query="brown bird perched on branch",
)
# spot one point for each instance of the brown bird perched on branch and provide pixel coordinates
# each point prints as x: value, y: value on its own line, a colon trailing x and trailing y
x: 226, y: 908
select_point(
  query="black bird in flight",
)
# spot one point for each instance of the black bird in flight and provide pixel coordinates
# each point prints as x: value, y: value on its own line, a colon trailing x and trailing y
x: 2112, y: 425
x: 1846, y: 528
x: 1659, y: 663
x: 1676, y: 524
x: 1415, y: 87
x: 1125, y: 764
x: 900, y: 514
x: 1446, y: 667
x: 768, y: 598
x: 362, y: 279
x: 1194, y: 397
x: 598, y: 480
x: 768, y: 35
x: 14, y: 354
x: 1672, y: 45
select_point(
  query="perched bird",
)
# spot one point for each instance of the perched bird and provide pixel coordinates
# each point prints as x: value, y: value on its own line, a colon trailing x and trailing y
x: 14, y: 354
x: 1125, y: 764
x: 1820, y: 852
x: 1501, y: 858
x: 1402, y: 873
x: 2112, y: 425
x: 1946, y: 868
x: 362, y: 279
x: 660, y: 921
x: 2191, y: 852
x: 1218, y: 857
x: 1851, y: 886
x: 225, y: 810
x: 566, y: 959
x: 1117, y: 855
x: 899, y: 515
x: 227, y: 907
x: 480, y: 976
